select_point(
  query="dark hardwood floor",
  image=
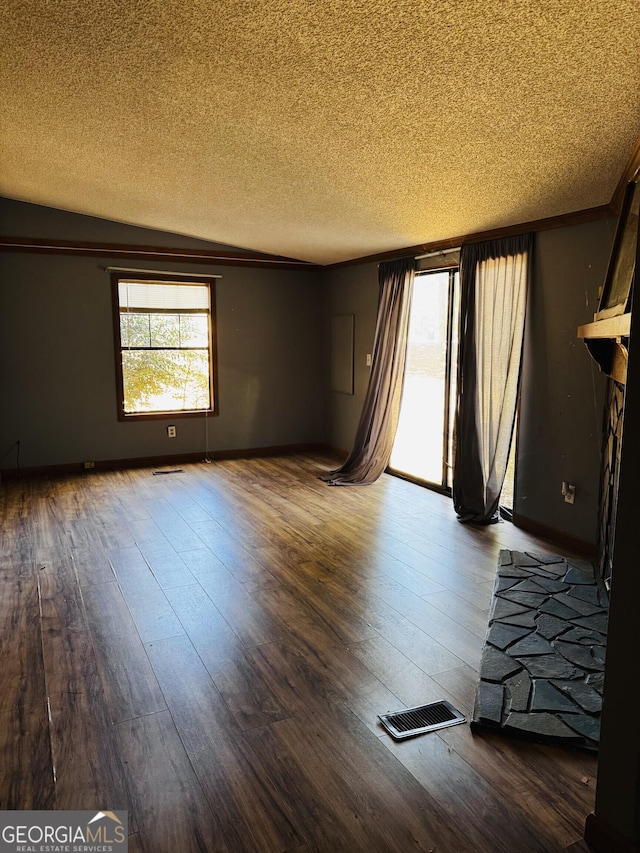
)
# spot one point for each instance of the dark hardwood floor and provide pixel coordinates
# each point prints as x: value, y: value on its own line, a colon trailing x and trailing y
x: 210, y: 650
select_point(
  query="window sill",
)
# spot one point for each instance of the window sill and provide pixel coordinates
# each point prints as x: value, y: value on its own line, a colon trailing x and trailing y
x: 156, y: 416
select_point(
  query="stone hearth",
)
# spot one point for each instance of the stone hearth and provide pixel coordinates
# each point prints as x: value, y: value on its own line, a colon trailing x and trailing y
x: 542, y: 668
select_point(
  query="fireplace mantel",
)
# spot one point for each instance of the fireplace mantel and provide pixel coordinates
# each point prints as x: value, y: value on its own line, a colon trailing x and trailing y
x: 607, y: 337
x: 608, y: 344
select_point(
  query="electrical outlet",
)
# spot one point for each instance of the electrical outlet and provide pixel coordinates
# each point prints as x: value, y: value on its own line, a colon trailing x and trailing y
x: 171, y: 431
x: 89, y: 465
x: 568, y: 492
x: 368, y: 359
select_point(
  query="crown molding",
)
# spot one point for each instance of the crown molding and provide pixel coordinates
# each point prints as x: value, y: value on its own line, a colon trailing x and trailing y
x: 151, y: 253
x: 576, y: 218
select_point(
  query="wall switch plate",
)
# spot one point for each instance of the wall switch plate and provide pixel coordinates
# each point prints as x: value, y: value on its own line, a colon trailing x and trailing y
x: 171, y: 431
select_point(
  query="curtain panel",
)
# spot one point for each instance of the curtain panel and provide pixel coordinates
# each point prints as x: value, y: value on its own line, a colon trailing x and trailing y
x: 493, y: 281
x: 381, y: 409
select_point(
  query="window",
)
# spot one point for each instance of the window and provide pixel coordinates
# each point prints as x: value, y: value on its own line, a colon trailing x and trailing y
x: 164, y: 332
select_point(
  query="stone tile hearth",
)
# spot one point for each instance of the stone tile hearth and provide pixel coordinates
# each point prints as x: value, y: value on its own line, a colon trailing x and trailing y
x: 542, y: 668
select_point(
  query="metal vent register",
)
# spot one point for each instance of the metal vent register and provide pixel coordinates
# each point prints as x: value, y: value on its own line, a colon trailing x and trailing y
x: 424, y: 718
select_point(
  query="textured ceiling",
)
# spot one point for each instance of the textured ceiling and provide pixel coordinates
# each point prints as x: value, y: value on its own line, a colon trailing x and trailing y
x: 318, y: 129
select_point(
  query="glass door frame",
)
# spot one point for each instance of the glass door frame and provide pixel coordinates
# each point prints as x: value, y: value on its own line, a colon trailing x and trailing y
x: 443, y: 487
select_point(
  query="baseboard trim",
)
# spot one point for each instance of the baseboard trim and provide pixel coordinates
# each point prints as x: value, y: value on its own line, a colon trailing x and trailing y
x: 65, y: 469
x: 605, y: 839
x: 335, y: 451
x: 579, y: 546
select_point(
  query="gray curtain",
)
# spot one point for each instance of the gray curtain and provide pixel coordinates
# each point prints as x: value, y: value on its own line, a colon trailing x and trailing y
x: 379, y: 418
x: 493, y: 284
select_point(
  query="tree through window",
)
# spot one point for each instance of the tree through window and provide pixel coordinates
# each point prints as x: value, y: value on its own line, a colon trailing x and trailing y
x: 164, y: 337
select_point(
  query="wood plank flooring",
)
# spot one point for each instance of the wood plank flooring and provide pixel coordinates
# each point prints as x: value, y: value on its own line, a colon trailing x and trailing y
x: 210, y: 650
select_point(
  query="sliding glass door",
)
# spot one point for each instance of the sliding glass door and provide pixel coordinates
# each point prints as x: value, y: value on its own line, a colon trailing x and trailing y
x: 423, y: 443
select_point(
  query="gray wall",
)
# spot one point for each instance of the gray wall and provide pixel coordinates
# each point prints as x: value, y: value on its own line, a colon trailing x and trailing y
x: 20, y: 219
x: 562, y: 390
x: 57, y: 362
x: 349, y: 290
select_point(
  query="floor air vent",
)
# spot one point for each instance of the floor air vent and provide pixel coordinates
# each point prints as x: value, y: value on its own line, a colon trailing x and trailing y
x: 424, y: 718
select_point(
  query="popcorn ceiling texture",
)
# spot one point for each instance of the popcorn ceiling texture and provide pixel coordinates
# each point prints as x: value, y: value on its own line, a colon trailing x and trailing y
x: 320, y: 130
